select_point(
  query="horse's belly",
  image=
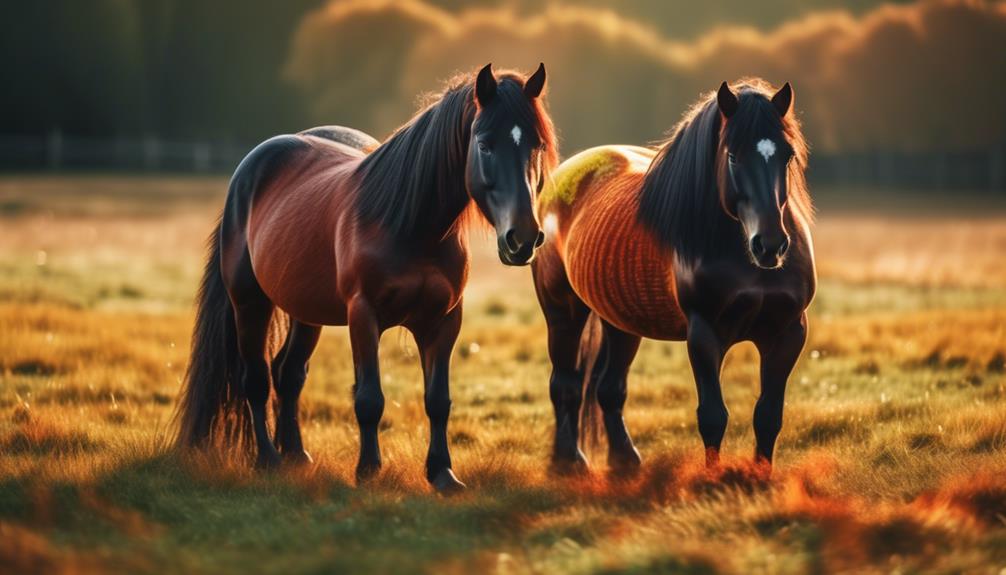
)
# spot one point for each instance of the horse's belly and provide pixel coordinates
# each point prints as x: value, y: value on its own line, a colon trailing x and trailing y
x: 307, y: 292
x: 618, y: 269
x: 312, y: 302
x: 293, y: 258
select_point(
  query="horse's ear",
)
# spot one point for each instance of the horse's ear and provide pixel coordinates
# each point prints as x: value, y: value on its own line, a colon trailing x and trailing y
x: 727, y: 100
x: 485, y: 85
x: 783, y: 100
x: 535, y: 83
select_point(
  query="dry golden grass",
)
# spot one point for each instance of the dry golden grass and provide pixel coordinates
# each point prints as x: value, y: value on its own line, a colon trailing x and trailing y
x: 926, y: 250
x: 891, y: 458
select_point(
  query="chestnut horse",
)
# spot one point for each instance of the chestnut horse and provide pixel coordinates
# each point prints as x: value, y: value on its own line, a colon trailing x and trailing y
x: 706, y: 240
x: 327, y: 227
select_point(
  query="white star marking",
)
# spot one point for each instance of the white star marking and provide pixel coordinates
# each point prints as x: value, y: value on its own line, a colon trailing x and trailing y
x: 766, y: 148
x: 515, y: 132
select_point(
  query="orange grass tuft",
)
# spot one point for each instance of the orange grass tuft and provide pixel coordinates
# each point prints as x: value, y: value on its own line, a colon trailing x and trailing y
x: 980, y: 497
x: 38, y: 437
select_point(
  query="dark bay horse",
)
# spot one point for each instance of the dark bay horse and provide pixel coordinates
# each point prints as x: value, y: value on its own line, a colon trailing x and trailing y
x: 327, y: 227
x: 706, y: 239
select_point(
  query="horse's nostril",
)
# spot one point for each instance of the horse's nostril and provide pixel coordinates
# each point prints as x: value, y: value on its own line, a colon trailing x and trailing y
x: 784, y: 247
x: 510, y: 238
x: 757, y: 248
x: 539, y: 240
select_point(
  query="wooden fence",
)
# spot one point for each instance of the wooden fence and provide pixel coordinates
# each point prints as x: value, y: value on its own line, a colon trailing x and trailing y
x: 975, y: 170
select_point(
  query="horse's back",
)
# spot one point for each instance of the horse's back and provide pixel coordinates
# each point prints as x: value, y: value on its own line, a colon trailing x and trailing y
x: 589, y: 170
x: 294, y: 176
x: 613, y: 263
x: 295, y: 190
x: 347, y: 136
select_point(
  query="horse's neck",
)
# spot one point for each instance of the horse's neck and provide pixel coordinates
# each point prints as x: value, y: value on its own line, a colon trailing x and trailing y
x: 440, y: 208
x: 444, y: 216
x: 729, y: 243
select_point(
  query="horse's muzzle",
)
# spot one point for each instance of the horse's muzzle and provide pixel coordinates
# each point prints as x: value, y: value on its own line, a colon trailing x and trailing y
x: 514, y: 252
x: 769, y: 253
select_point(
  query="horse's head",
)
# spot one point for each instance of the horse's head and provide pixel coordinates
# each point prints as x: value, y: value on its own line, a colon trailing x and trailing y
x: 510, y: 150
x: 754, y: 174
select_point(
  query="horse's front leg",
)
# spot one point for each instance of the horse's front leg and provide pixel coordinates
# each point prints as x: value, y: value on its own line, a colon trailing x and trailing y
x: 436, y: 343
x: 364, y: 336
x: 778, y: 356
x: 705, y: 352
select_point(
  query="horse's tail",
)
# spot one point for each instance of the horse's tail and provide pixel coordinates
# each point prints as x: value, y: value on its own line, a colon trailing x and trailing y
x: 212, y: 400
x: 591, y: 363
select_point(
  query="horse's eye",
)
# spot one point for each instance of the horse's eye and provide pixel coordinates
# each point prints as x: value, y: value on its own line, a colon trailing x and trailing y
x: 484, y: 148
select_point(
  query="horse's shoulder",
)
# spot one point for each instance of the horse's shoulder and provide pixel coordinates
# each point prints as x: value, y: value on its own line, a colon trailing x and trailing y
x: 591, y: 168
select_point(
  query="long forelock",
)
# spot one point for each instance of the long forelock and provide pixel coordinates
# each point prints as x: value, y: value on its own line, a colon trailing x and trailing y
x: 514, y: 107
x: 517, y: 108
x: 755, y: 117
x: 528, y: 113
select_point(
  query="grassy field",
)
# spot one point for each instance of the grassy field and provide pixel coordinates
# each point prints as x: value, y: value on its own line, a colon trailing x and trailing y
x: 891, y: 458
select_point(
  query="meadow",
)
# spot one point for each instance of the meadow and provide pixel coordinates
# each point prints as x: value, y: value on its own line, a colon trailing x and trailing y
x: 891, y: 459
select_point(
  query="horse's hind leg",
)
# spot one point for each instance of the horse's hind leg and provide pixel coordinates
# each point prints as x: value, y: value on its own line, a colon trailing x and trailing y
x: 289, y: 380
x: 619, y: 350
x: 778, y: 356
x: 566, y: 316
x: 253, y: 316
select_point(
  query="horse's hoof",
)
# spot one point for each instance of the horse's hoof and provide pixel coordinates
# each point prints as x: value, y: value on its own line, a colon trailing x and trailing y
x: 267, y: 460
x: 447, y: 484
x: 763, y: 466
x: 297, y: 458
x: 366, y: 472
x: 712, y: 458
x: 624, y: 463
x: 570, y: 465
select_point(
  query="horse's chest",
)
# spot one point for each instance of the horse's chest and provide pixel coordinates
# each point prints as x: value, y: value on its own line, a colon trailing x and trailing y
x: 419, y: 294
x: 746, y: 306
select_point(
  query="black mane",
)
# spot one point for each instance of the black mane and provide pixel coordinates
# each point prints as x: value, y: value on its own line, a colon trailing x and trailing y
x: 420, y: 167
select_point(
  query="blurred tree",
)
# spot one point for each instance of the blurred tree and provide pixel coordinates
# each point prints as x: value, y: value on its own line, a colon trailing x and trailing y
x: 176, y: 68
x: 685, y: 20
x: 69, y: 65
x: 896, y: 77
x: 215, y: 66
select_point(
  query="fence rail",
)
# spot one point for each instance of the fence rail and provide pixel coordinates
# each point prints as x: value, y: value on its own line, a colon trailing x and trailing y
x: 976, y: 170
x: 58, y: 152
